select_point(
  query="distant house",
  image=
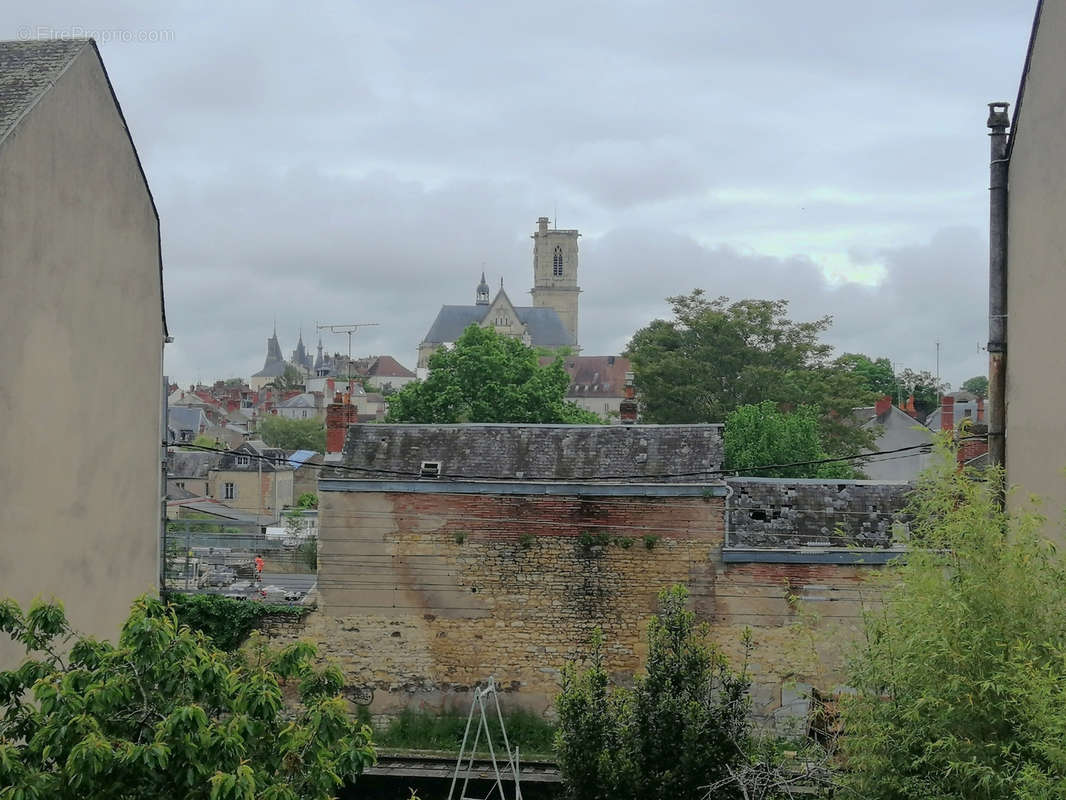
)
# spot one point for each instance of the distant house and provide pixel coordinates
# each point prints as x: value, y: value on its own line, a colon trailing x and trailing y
x: 895, y: 429
x: 184, y: 424
x: 306, y: 465
x: 306, y: 405
x: 253, y: 478
x: 81, y: 282
x: 188, y: 470
x: 385, y: 372
x: 597, y: 383
x: 964, y: 405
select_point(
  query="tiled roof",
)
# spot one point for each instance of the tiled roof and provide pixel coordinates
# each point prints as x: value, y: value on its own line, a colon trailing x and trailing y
x: 191, y: 464
x: 389, y: 367
x: 594, y: 376
x: 615, y: 453
x: 27, y: 70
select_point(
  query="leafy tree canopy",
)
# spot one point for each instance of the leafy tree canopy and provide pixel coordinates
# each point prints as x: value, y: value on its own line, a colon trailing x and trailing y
x: 293, y: 434
x: 289, y: 380
x: 165, y: 714
x: 683, y: 725
x: 961, y: 679
x: 977, y: 385
x: 488, y: 377
x: 715, y: 356
x: 201, y: 441
x: 878, y: 375
x: 758, y: 435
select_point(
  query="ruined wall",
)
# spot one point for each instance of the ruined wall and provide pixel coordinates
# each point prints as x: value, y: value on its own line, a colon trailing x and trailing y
x: 776, y: 512
x: 423, y: 595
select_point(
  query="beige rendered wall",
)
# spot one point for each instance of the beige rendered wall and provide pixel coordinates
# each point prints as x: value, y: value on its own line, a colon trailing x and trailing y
x: 254, y: 491
x: 1036, y: 268
x: 80, y: 480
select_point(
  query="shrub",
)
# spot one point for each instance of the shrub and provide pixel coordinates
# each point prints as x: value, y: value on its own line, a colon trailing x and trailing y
x: 226, y: 620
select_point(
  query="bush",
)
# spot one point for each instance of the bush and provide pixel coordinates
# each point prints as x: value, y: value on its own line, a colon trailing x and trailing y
x: 961, y: 681
x: 225, y: 620
x: 419, y: 730
x: 682, y: 726
x: 165, y: 714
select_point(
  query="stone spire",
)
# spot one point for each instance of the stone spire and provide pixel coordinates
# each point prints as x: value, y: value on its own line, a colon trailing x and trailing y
x: 483, y: 291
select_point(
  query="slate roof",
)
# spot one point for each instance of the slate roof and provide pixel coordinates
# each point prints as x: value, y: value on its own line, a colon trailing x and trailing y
x: 587, y: 453
x: 27, y: 70
x: 543, y: 324
x: 190, y: 464
x: 184, y: 418
x: 302, y: 400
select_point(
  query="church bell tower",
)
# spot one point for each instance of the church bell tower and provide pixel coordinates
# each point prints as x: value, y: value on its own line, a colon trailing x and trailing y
x: 555, y: 273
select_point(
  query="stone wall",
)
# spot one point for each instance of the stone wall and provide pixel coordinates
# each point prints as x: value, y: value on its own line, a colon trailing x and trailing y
x: 423, y: 595
x: 779, y: 512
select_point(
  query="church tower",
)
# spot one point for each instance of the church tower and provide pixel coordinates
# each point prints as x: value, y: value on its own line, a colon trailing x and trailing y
x: 555, y: 273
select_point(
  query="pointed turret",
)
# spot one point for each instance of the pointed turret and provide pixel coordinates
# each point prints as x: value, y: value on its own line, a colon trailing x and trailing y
x: 482, y: 291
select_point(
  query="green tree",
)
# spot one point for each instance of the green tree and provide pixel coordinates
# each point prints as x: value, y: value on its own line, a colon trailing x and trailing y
x: 165, y: 714
x: 977, y: 385
x: 961, y: 680
x: 307, y: 500
x: 201, y: 442
x: 715, y: 356
x: 289, y: 380
x: 759, y: 435
x: 488, y: 377
x: 925, y: 388
x: 877, y: 374
x: 293, y: 434
x: 681, y: 727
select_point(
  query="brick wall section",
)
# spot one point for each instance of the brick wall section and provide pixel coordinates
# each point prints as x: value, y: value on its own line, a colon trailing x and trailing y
x: 772, y: 512
x: 423, y: 595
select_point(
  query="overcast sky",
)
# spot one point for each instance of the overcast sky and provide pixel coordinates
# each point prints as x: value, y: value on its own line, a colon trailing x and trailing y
x: 362, y: 162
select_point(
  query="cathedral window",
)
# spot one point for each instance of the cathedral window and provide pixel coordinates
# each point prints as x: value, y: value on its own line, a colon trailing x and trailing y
x: 557, y: 261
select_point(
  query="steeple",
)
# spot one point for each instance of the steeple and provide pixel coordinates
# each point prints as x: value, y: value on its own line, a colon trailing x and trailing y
x: 299, y: 355
x: 483, y: 291
x: 273, y: 349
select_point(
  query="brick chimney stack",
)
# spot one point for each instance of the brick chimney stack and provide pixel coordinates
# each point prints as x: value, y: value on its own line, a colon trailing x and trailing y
x: 910, y: 408
x: 947, y: 413
x: 980, y: 409
x: 882, y: 406
x: 339, y: 415
x: 627, y: 409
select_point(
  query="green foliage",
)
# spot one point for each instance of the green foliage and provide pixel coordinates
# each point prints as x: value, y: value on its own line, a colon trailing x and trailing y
x: 225, y: 620
x: 202, y: 441
x: 759, y: 435
x: 293, y: 434
x: 420, y: 730
x: 308, y: 551
x: 682, y: 726
x: 925, y: 388
x: 716, y: 356
x: 290, y: 380
x: 650, y: 540
x: 525, y: 540
x: 977, y: 385
x: 165, y: 714
x: 878, y: 375
x: 307, y: 500
x: 460, y: 537
x: 961, y: 681
x: 488, y: 377
x: 588, y: 540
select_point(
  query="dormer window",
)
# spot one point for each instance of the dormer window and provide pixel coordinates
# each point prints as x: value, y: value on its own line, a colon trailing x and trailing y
x: 429, y: 469
x: 557, y: 261
x: 243, y: 461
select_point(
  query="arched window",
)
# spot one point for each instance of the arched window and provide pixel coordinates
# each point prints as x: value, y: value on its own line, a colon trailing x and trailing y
x: 557, y: 261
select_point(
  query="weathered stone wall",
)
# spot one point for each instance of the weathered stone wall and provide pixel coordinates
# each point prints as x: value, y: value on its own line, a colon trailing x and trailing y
x: 778, y: 512
x: 421, y: 596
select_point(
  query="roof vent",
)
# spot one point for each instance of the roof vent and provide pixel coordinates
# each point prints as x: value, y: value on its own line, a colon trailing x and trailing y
x: 429, y: 469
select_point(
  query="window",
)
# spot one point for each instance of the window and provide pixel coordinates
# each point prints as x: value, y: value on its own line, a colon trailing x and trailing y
x: 180, y: 484
x: 430, y: 469
x: 229, y: 491
x: 243, y: 461
x: 557, y: 261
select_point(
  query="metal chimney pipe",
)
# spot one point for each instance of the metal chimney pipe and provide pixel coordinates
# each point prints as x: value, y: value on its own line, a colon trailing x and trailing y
x: 998, y: 122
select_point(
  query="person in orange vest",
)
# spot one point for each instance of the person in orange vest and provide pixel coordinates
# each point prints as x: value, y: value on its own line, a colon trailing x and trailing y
x: 259, y: 568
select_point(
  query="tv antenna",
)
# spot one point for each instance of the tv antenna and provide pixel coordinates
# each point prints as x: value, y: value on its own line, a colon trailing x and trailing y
x: 348, y: 329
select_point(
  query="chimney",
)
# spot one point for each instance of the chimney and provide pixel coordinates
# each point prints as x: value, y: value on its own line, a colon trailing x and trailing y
x: 339, y: 415
x: 910, y: 409
x: 947, y: 413
x: 882, y: 406
x: 542, y: 224
x: 980, y: 410
x: 627, y: 409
